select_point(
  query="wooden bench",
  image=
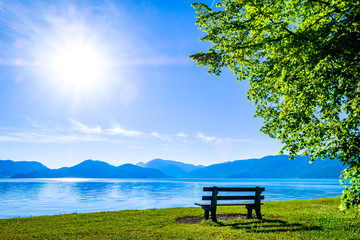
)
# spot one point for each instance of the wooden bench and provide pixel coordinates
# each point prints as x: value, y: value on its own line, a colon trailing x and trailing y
x: 214, y: 198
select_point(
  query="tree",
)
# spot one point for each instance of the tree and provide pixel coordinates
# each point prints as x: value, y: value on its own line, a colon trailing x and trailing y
x: 302, y: 60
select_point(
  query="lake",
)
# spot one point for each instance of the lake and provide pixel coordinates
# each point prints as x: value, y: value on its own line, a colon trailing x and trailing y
x: 36, y: 197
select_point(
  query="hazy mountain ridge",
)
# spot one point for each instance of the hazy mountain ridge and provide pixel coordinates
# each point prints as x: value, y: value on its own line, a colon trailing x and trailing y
x: 9, y: 168
x: 170, y: 167
x: 278, y: 166
x: 95, y: 169
x: 271, y: 167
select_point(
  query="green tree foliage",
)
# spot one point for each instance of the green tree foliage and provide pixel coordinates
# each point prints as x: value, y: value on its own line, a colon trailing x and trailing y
x: 302, y: 59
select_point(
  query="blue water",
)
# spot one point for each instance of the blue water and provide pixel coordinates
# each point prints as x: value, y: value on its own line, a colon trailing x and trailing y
x: 36, y: 197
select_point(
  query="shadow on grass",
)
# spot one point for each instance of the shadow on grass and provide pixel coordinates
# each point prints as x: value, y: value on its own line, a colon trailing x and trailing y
x: 267, y: 225
x: 239, y: 221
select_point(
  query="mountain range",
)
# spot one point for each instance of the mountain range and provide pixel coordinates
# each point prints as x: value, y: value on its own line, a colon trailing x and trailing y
x: 278, y: 166
x: 10, y: 168
x: 95, y: 169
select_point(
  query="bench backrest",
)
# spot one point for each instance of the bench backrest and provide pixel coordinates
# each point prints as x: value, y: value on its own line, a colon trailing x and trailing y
x: 257, y: 197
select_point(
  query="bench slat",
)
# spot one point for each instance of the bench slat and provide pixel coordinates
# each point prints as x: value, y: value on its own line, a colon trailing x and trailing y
x: 227, y: 204
x: 233, y: 189
x: 232, y: 197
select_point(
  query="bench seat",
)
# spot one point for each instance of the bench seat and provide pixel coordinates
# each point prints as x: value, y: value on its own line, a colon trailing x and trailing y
x: 214, y: 200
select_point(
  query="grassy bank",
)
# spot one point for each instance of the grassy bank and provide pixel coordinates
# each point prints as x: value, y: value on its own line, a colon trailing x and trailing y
x: 301, y: 219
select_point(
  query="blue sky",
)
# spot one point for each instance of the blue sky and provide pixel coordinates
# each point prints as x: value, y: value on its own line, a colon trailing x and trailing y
x: 111, y: 80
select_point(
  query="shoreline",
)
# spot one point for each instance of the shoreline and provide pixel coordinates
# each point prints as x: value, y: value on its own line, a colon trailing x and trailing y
x: 295, y: 219
x: 147, y: 209
x: 23, y: 198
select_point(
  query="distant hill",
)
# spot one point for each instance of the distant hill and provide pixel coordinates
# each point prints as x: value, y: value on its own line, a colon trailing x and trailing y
x: 169, y: 167
x: 279, y: 166
x: 9, y: 167
x: 267, y: 167
x: 95, y: 169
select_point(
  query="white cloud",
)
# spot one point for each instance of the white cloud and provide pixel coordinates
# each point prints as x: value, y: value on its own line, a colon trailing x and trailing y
x: 206, y: 138
x: 78, y: 132
x: 85, y: 129
x: 9, y: 139
x: 213, y: 139
x: 48, y: 137
x: 76, y: 138
x: 182, y: 135
x: 118, y: 130
x: 162, y: 137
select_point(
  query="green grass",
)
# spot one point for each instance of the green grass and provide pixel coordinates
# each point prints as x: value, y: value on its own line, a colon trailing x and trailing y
x: 300, y: 219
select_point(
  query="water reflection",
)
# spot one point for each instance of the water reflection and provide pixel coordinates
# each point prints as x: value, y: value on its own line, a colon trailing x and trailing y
x: 16, y: 190
x: 32, y: 197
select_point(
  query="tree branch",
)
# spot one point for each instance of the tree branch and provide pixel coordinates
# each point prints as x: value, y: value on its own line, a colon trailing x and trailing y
x: 337, y: 10
x: 285, y: 28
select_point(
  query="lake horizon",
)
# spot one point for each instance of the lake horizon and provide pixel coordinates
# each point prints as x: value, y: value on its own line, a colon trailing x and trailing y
x: 53, y: 196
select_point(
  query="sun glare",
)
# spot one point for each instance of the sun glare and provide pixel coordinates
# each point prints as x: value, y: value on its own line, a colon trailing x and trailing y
x: 75, y: 61
x: 78, y: 65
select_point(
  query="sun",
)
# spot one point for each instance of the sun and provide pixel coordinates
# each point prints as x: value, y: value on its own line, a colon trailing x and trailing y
x: 73, y: 56
x: 77, y: 65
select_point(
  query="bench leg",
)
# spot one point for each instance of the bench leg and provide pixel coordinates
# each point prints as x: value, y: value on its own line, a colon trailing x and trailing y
x: 206, y: 211
x: 213, y: 215
x: 206, y: 214
x: 258, y: 213
x: 249, y: 211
